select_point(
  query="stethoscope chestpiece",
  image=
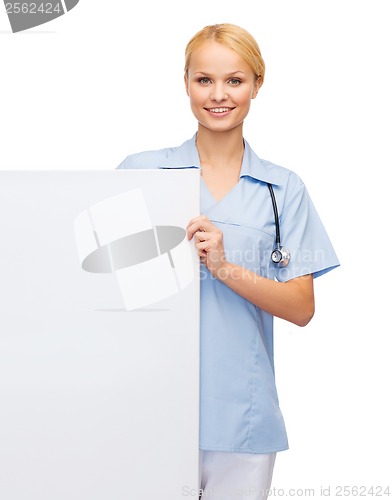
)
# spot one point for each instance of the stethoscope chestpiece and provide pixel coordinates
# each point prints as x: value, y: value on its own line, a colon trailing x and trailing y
x: 280, y: 257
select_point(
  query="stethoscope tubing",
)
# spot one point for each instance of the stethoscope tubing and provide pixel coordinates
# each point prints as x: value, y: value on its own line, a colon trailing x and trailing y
x: 279, y: 256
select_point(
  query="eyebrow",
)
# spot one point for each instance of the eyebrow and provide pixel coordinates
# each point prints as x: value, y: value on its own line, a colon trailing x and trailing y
x: 227, y: 75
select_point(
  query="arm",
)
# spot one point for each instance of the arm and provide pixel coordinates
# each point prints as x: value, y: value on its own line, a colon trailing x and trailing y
x: 292, y: 300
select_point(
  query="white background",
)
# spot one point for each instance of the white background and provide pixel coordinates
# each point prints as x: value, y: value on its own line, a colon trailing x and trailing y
x: 105, y: 80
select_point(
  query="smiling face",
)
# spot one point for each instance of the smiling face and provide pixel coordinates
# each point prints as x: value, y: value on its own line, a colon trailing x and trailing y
x: 220, y: 85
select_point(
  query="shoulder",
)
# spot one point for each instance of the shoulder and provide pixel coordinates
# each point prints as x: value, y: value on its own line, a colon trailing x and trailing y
x: 280, y: 177
x: 147, y: 159
x: 178, y: 155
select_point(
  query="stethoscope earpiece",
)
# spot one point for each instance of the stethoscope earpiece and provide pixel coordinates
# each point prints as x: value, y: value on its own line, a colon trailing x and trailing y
x: 280, y: 256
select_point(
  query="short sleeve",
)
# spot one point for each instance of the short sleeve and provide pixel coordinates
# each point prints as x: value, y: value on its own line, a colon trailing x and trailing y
x: 135, y: 161
x: 303, y: 235
x: 143, y: 160
x: 124, y: 164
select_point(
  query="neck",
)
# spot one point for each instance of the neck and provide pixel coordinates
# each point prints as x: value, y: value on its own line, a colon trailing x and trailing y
x: 220, y: 148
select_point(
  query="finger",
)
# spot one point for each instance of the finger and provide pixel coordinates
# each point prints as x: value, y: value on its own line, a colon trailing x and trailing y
x: 202, y: 247
x: 201, y: 223
x: 192, y: 230
x: 196, y: 230
x: 201, y: 232
x: 202, y: 235
x: 200, y: 219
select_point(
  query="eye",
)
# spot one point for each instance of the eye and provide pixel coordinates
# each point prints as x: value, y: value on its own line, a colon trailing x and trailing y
x: 204, y: 80
x: 234, y: 81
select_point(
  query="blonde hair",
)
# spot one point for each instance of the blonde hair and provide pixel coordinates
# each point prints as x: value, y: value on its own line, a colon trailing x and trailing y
x: 233, y: 37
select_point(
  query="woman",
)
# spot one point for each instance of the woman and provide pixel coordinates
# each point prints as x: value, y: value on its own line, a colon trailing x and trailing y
x: 242, y: 288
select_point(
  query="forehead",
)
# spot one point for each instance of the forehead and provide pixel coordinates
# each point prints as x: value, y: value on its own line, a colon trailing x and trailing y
x: 213, y: 57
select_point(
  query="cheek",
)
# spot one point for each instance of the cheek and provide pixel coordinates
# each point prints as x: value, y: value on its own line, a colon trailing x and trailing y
x: 197, y: 95
x: 244, y: 100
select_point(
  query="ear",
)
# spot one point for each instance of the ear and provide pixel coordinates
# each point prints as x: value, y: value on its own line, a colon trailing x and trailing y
x: 186, y: 84
x: 258, y: 84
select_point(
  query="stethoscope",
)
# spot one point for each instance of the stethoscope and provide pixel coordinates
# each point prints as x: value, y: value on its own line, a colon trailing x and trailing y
x: 280, y: 256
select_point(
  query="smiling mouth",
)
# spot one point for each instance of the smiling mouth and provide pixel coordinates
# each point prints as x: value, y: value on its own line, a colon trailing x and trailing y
x: 219, y: 110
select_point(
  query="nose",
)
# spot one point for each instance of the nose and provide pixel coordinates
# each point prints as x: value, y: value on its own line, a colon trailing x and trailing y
x: 219, y: 93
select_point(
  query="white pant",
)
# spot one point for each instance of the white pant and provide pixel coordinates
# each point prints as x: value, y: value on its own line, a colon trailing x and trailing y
x: 235, y: 476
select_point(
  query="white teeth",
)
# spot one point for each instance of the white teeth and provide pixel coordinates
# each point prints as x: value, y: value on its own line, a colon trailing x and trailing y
x: 219, y: 110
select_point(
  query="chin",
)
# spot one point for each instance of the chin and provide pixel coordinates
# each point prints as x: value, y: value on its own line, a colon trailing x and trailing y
x: 219, y: 127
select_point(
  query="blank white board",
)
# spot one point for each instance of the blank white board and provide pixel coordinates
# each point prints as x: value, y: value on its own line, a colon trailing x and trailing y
x: 99, y: 397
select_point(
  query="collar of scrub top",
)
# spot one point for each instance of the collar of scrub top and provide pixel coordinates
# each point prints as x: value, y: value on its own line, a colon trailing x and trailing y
x: 252, y: 165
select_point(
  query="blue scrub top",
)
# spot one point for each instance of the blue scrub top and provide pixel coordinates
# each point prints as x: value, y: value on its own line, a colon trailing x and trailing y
x: 239, y: 406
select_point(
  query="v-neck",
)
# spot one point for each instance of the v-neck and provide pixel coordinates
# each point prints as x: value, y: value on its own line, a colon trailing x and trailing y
x: 213, y: 200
